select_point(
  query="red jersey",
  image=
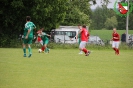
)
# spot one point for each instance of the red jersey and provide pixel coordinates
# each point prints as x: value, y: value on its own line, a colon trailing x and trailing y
x: 39, y: 39
x: 39, y: 36
x: 116, y: 36
x: 84, y: 34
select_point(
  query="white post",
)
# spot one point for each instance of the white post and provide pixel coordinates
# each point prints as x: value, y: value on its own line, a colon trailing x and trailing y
x: 127, y: 22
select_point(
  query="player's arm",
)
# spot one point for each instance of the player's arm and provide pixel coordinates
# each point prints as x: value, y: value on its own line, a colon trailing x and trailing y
x: 77, y: 36
x: 28, y: 33
x: 88, y: 35
x: 117, y: 37
x: 42, y: 33
x: 34, y: 26
x: 48, y: 35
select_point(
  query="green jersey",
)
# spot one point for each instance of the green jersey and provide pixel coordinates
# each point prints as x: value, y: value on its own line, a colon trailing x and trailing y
x: 44, y: 36
x: 79, y: 40
x: 29, y: 26
x: 79, y: 35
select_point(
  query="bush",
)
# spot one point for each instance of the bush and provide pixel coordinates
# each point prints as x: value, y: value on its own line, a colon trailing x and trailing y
x: 18, y: 44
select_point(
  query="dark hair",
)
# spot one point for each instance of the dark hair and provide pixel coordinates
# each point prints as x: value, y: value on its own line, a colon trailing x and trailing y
x: 41, y: 28
x: 79, y: 24
x: 84, y: 26
x: 28, y: 18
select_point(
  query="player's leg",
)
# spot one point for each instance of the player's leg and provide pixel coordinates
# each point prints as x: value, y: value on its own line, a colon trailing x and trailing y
x: 40, y: 42
x: 87, y: 52
x: 29, y: 47
x: 114, y: 46
x: 24, y: 49
x: 43, y: 47
x: 79, y: 41
x: 24, y: 46
x: 117, y: 47
x: 82, y: 46
x: 46, y: 48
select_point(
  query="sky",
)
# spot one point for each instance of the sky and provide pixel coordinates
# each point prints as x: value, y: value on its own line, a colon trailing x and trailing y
x: 110, y: 5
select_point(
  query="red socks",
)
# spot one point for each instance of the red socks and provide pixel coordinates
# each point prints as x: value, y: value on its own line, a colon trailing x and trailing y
x: 84, y: 50
x: 116, y: 51
x: 43, y: 48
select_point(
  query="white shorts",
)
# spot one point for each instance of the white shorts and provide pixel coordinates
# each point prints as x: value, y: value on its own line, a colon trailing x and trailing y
x: 41, y: 42
x: 82, y: 44
x: 115, y: 44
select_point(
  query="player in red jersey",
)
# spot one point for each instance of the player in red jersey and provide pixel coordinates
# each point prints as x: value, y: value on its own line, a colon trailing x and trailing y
x: 116, y: 41
x: 39, y: 36
x: 84, y: 38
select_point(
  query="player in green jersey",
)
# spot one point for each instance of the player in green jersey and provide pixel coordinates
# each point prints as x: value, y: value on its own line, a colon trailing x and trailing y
x: 79, y: 40
x: 28, y: 35
x: 45, y: 41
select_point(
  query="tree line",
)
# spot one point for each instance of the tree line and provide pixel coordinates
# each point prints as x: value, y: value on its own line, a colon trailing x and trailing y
x: 51, y: 14
x: 106, y: 18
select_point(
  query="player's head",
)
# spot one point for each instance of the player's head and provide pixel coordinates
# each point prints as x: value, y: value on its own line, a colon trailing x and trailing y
x: 79, y: 24
x: 114, y: 29
x: 84, y: 26
x: 42, y: 28
x: 28, y: 18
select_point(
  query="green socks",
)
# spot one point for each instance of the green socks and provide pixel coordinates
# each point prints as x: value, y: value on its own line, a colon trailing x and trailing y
x: 29, y: 50
x: 24, y: 50
x: 46, y: 50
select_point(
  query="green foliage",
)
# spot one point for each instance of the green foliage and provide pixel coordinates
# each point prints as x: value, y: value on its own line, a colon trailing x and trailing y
x: 108, y: 46
x: 44, y: 13
x: 121, y: 22
x: 101, y: 14
x: 111, y: 22
x: 49, y: 13
x: 52, y: 13
x: 131, y: 21
x: 78, y: 13
x: 98, y: 17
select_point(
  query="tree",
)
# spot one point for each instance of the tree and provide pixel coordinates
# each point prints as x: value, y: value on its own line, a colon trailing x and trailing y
x: 98, y: 18
x: 111, y: 22
x: 46, y: 13
x: 131, y: 21
x: 78, y: 12
x: 49, y: 13
x: 100, y: 15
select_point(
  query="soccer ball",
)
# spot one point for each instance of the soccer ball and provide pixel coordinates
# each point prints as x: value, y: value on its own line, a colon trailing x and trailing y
x: 39, y: 50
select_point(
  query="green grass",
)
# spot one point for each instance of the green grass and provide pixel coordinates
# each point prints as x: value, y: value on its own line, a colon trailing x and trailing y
x: 64, y: 68
x: 107, y: 34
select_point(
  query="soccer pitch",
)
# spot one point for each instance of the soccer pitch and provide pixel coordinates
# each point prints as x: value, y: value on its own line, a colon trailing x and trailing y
x: 65, y: 68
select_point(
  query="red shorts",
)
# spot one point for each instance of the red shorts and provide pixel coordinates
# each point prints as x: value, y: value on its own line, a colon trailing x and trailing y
x: 39, y: 39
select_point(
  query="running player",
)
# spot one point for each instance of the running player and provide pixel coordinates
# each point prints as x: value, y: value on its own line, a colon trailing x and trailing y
x: 115, y: 43
x: 84, y: 38
x: 78, y: 36
x: 45, y: 41
x: 39, y: 36
x: 28, y: 35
